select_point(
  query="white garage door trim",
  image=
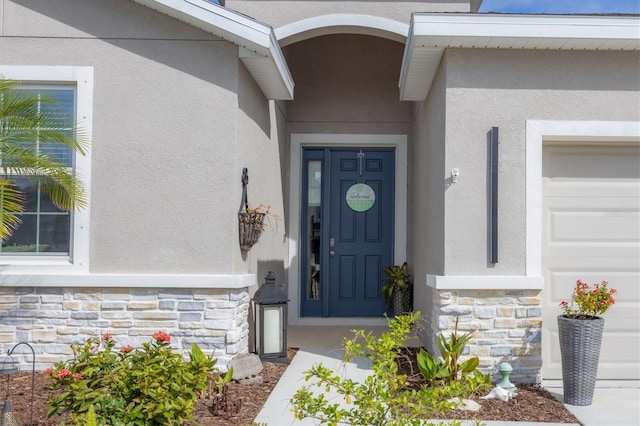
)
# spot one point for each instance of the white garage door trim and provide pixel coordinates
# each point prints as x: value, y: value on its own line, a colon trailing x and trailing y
x: 536, y: 133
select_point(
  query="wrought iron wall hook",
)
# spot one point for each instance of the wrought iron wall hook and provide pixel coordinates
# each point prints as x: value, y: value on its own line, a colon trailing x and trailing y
x: 245, y: 176
x: 244, y: 203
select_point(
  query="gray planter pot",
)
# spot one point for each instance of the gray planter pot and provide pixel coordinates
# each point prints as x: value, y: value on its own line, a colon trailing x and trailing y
x: 580, y: 341
x: 402, y: 301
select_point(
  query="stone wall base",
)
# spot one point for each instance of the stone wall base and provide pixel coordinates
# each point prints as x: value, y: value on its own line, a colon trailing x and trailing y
x: 50, y: 319
x: 505, y: 326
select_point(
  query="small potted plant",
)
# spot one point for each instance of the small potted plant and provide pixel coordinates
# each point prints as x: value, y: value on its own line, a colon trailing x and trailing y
x: 580, y: 331
x: 397, y: 289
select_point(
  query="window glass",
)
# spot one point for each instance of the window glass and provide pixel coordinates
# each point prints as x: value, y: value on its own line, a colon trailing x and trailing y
x: 314, y: 208
x: 44, y: 228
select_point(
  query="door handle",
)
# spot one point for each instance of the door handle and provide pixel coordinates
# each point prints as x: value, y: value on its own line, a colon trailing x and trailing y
x: 332, y: 253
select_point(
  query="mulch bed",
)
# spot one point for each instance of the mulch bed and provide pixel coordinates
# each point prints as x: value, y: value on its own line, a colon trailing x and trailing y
x: 248, y: 397
x: 533, y: 404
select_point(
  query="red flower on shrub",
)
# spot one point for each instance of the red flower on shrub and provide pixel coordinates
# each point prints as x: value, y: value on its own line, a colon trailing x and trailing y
x: 63, y: 373
x: 107, y: 336
x: 589, y: 301
x: 126, y: 349
x: 48, y: 371
x: 77, y: 376
x: 161, y: 336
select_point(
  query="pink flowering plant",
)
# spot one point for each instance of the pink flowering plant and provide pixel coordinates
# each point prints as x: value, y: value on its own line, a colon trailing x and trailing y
x: 148, y: 386
x: 588, y: 301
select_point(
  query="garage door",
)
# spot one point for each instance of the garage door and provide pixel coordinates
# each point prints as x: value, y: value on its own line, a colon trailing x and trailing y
x: 591, y: 231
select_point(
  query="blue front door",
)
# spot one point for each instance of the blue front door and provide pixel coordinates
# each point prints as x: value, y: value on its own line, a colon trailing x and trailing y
x: 348, y: 223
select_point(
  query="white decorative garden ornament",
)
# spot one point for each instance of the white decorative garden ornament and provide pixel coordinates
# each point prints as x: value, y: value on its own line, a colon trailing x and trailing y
x: 499, y: 393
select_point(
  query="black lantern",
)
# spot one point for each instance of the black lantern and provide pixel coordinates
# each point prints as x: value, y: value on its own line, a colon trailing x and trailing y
x: 9, y: 366
x: 270, y: 312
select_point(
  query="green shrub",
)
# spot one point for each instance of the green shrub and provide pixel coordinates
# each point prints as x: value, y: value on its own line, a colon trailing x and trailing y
x: 384, y: 397
x: 133, y: 387
x: 449, y: 368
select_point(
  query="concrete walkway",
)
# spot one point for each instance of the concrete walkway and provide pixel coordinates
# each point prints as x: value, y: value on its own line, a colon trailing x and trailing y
x: 611, y: 407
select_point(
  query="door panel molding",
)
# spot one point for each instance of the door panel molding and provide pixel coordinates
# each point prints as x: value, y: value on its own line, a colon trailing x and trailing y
x: 305, y: 140
x: 354, y: 289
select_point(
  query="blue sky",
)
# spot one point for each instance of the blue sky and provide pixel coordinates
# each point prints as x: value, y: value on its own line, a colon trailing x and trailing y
x: 561, y: 6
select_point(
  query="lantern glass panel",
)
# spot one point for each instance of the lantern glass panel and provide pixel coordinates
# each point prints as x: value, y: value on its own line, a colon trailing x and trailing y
x: 273, y: 329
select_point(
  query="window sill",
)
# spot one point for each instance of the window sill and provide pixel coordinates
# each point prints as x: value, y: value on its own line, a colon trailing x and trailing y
x: 126, y: 280
x: 484, y: 282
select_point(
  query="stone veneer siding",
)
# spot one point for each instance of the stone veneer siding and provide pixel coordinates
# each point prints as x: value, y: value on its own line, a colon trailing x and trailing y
x: 51, y: 318
x: 505, y: 325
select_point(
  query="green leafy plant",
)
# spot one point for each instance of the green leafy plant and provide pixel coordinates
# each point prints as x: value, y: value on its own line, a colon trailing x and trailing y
x: 222, y: 380
x: 134, y: 387
x: 395, y: 277
x: 478, y: 382
x: 87, y: 419
x: 449, y: 368
x: 384, y: 397
x: 590, y: 301
x: 431, y: 368
x: 451, y: 349
x: 397, y: 288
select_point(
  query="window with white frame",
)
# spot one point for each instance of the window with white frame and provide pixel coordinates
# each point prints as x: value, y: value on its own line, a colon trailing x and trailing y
x: 48, y: 235
x: 44, y: 228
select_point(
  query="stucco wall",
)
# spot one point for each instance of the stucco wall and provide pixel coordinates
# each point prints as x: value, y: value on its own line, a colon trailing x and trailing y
x: 475, y: 90
x: 92, y: 19
x: 502, y: 88
x: 164, y: 179
x: 259, y: 147
x: 347, y: 84
x: 427, y: 186
x: 281, y: 12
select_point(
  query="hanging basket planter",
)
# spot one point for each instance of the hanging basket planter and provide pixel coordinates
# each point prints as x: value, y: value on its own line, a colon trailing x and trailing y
x: 250, y: 226
x: 251, y: 220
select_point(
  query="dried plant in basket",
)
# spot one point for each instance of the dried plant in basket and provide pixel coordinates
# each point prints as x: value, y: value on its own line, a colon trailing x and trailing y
x: 251, y: 223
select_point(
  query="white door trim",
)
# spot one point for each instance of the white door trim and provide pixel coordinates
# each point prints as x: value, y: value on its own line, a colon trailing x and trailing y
x: 539, y: 131
x: 300, y: 140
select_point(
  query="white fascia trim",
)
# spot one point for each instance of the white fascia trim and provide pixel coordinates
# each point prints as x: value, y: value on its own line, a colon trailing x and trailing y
x: 295, y: 31
x: 539, y: 131
x: 525, y: 26
x: 128, y: 280
x: 216, y: 20
x: 406, y: 61
x: 300, y: 140
x: 82, y: 78
x: 228, y: 25
x: 485, y: 282
x: 281, y: 65
x: 437, y: 32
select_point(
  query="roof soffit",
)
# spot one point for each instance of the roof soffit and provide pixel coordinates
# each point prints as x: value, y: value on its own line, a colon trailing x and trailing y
x: 259, y: 48
x: 431, y: 34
